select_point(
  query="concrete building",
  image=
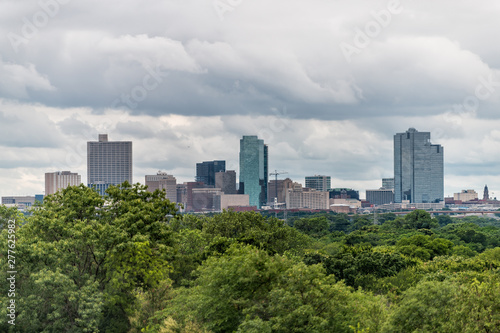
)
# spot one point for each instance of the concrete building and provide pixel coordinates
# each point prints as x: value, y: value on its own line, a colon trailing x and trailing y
x: 227, y: 201
x: 299, y: 197
x: 380, y: 197
x: 205, y: 171
x: 465, y: 195
x: 108, y: 163
x: 254, y: 170
x: 55, y: 181
x: 418, y: 168
x: 344, y: 193
x: 319, y: 183
x: 203, y: 199
x: 278, y: 188
x: 163, y: 181
x: 226, y: 181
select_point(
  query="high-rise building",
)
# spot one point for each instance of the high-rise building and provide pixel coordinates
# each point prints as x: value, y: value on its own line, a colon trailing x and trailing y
x: 163, y: 181
x: 226, y: 181
x: 320, y: 183
x: 465, y: 195
x: 254, y: 170
x: 418, y: 168
x: 55, y: 181
x: 205, y: 171
x: 380, y: 197
x: 388, y: 183
x: 108, y: 163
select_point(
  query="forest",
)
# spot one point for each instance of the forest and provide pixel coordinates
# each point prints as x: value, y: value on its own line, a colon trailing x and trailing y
x: 129, y: 262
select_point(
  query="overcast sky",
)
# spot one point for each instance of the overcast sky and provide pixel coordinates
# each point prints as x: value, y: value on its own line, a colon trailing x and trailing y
x: 326, y: 84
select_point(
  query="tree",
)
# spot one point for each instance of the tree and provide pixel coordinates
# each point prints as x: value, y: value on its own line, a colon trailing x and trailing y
x: 95, y: 255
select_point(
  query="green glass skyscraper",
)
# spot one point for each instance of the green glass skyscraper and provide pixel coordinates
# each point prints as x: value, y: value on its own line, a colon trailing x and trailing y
x: 254, y: 170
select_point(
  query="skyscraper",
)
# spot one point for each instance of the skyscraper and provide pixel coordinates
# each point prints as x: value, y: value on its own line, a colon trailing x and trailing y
x: 108, y: 163
x: 418, y: 168
x: 205, y: 171
x: 226, y: 181
x: 254, y: 170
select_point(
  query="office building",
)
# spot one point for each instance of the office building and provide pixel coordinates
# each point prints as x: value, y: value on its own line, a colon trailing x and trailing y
x: 418, y: 168
x: 298, y: 197
x: 163, y: 181
x: 205, y: 171
x: 388, y: 183
x: 229, y: 201
x: 380, y: 197
x: 108, y: 163
x: 465, y: 195
x: 277, y: 189
x: 55, y: 181
x: 254, y: 170
x: 319, y: 183
x: 226, y: 181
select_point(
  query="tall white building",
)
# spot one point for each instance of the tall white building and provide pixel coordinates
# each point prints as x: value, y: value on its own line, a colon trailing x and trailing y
x: 55, y: 181
x: 108, y: 163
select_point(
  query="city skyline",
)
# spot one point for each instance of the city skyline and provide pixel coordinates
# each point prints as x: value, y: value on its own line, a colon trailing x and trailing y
x: 325, y: 85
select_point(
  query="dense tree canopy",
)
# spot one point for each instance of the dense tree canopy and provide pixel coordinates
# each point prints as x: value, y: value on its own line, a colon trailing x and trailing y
x: 129, y: 262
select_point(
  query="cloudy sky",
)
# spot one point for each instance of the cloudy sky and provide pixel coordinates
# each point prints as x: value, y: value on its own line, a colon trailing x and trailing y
x: 325, y: 83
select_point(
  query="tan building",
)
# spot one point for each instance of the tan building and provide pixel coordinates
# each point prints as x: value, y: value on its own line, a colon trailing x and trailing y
x: 465, y: 195
x: 55, y: 181
x: 224, y: 201
x: 163, y: 181
x: 299, y: 197
x: 280, y: 187
x: 353, y: 203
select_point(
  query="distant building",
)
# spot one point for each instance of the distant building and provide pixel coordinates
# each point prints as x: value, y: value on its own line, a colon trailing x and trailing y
x: 108, y: 163
x: 163, y: 181
x: 299, y: 197
x: 278, y: 189
x: 205, y: 171
x: 418, y: 168
x: 343, y: 193
x: 465, y: 195
x: 388, y: 183
x: 55, y: 181
x: 254, y: 170
x: 226, y: 181
x: 319, y: 183
x: 21, y: 202
x: 486, y: 195
x: 225, y: 201
x: 204, y: 199
x: 380, y: 197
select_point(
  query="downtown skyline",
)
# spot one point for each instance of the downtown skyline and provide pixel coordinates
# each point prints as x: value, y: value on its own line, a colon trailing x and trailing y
x: 186, y: 82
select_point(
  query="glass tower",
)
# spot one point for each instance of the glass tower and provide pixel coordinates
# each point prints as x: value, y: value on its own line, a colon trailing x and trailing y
x: 418, y: 168
x: 108, y: 163
x: 254, y: 170
x: 205, y: 172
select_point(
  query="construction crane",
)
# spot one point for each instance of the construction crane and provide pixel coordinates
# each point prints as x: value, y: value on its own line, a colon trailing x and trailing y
x: 276, y: 173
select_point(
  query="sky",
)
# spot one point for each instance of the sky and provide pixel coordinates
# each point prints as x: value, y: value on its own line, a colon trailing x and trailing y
x: 325, y: 83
